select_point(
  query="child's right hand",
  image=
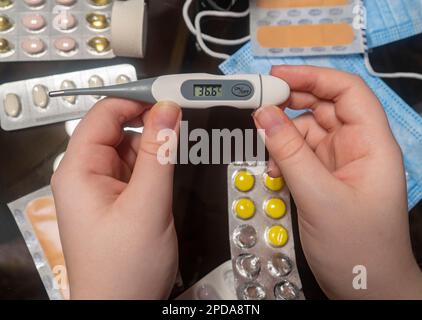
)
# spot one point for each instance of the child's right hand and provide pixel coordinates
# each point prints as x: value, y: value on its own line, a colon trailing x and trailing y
x: 345, y: 172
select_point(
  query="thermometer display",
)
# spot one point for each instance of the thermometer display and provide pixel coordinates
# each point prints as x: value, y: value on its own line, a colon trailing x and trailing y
x: 207, y: 90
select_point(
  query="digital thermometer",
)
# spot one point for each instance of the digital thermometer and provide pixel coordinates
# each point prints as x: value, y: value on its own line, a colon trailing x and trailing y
x: 197, y: 90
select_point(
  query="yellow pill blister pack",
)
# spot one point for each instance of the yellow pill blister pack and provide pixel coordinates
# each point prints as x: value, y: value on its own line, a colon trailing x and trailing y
x: 286, y: 28
x: 261, y: 237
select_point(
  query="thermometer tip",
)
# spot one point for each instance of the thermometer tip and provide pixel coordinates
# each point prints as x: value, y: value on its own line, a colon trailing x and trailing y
x: 53, y: 94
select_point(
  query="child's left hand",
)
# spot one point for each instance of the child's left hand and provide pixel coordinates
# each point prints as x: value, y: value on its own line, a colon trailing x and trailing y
x: 114, y: 204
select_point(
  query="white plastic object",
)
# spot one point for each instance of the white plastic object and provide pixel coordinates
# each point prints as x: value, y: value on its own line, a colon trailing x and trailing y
x: 129, y: 28
x: 216, y: 285
x: 197, y: 90
x: 271, y: 91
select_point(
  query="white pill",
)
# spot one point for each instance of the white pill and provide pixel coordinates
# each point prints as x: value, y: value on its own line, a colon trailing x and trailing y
x: 122, y: 79
x: 40, y: 96
x: 12, y: 105
x: 95, y: 82
x: 66, y: 85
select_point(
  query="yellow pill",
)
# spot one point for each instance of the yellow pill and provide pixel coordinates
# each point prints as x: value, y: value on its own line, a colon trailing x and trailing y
x: 277, y: 236
x: 97, y: 21
x: 5, y: 23
x: 99, y: 44
x: 274, y: 184
x: 4, y: 45
x: 275, y: 208
x: 244, y: 208
x: 100, y: 2
x: 5, y: 3
x: 244, y: 180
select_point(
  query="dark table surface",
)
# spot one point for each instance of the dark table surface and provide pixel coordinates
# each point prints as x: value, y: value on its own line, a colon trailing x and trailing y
x: 200, y: 200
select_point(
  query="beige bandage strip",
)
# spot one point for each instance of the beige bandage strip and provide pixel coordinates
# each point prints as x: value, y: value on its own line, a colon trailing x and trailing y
x: 305, y: 36
x: 269, y: 4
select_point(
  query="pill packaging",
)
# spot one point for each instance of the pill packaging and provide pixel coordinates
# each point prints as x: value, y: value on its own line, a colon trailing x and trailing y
x: 216, y: 285
x: 35, y: 215
x: 25, y: 104
x: 261, y: 237
x: 46, y: 30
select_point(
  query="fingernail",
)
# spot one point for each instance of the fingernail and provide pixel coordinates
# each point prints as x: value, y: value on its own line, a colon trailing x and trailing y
x: 165, y: 115
x: 271, y: 119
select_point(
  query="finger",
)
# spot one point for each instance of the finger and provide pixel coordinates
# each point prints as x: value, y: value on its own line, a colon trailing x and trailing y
x: 305, y: 175
x: 310, y: 130
x: 151, y: 178
x: 103, y: 125
x: 273, y: 170
x: 323, y: 110
x: 354, y: 101
x: 128, y: 148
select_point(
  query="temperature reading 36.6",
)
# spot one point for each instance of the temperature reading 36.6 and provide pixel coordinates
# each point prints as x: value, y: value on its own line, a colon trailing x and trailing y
x: 213, y: 90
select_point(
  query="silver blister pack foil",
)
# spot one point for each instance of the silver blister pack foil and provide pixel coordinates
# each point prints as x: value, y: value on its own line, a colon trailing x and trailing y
x: 60, y: 22
x: 261, y: 270
x: 57, y: 109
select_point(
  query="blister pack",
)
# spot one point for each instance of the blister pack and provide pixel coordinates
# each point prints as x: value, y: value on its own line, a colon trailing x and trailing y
x: 216, y: 285
x: 261, y: 237
x: 285, y: 28
x: 35, y: 215
x: 25, y: 104
x: 46, y: 30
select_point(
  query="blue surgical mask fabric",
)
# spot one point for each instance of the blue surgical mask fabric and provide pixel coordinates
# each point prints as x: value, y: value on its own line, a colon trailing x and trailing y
x: 392, y: 20
x: 405, y: 123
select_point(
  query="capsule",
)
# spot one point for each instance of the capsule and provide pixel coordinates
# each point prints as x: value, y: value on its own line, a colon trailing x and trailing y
x: 40, y: 96
x: 97, y: 21
x: 122, y: 79
x: 66, y: 85
x: 99, y: 44
x: 100, y: 3
x: 5, y: 23
x: 4, y: 46
x: 95, y: 82
x: 5, y: 3
x: 12, y: 105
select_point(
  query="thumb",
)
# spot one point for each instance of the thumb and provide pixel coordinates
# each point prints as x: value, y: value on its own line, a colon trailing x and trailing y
x: 308, y: 179
x: 152, y: 178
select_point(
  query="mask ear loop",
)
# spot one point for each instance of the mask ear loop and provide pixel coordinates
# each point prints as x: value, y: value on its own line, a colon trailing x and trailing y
x: 196, y: 30
x: 199, y: 37
x: 367, y: 61
x: 393, y: 75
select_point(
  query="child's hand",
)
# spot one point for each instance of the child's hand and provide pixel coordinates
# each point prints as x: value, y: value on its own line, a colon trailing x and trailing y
x: 345, y: 172
x: 114, y: 204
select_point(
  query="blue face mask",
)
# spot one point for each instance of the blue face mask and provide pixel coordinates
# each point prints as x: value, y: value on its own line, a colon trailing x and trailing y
x: 404, y: 121
x: 392, y: 20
